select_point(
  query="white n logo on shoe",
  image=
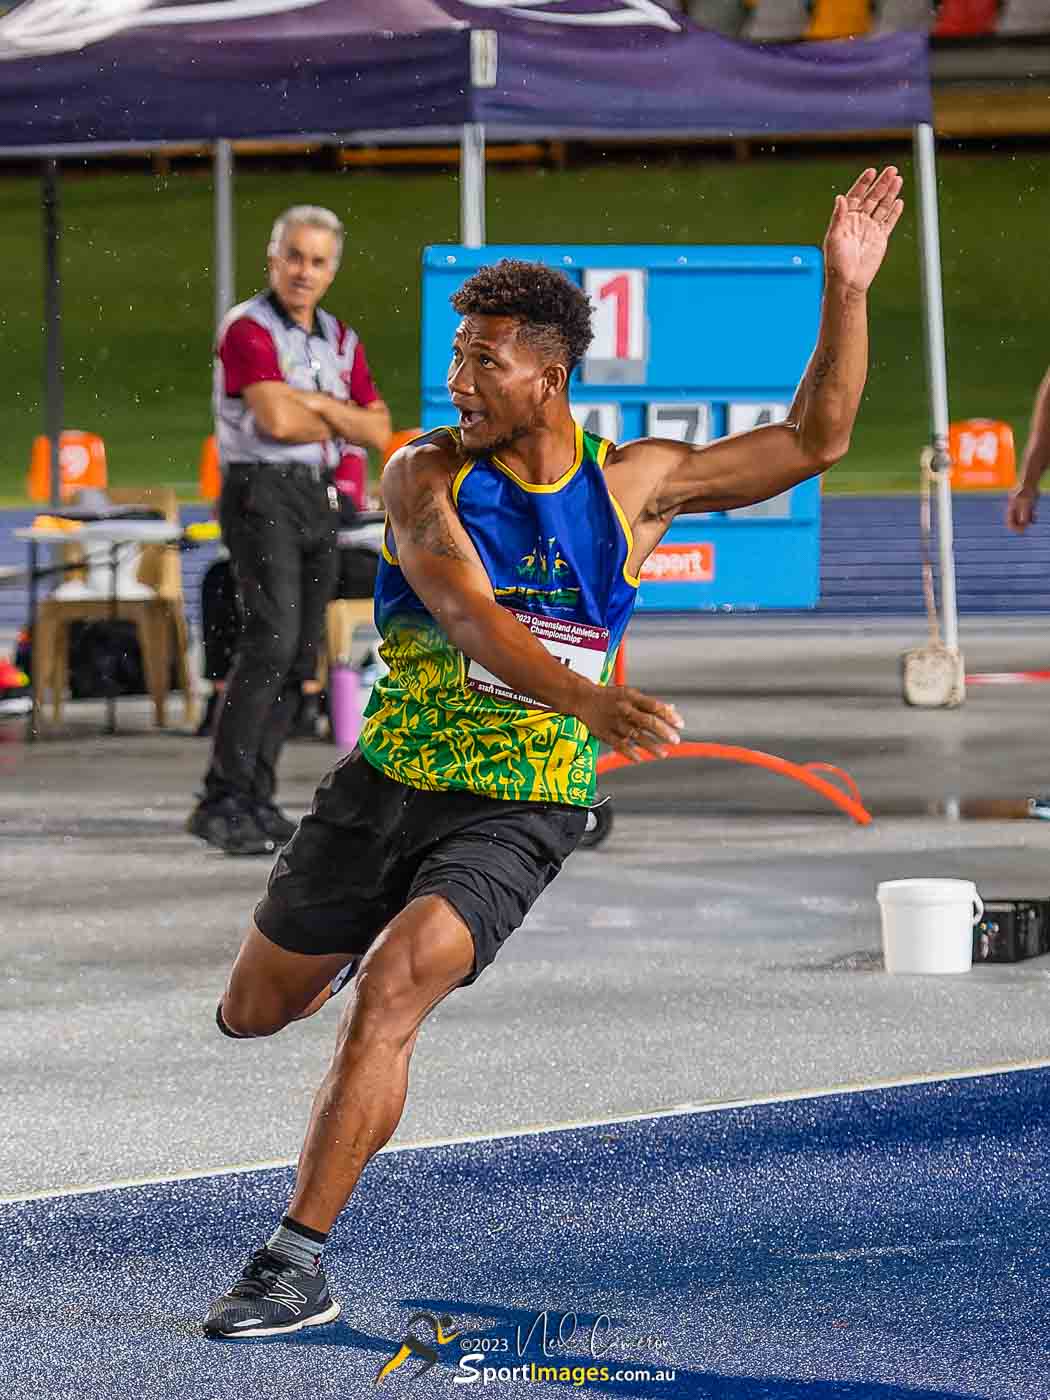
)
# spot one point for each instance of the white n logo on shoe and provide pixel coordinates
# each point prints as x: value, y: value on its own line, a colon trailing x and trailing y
x: 287, y: 1296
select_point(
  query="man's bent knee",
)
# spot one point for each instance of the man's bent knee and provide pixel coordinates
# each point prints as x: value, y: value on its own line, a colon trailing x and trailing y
x: 419, y: 958
x: 248, y: 1017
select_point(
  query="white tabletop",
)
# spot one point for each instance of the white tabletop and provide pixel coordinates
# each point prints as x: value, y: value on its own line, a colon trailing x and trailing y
x: 105, y: 532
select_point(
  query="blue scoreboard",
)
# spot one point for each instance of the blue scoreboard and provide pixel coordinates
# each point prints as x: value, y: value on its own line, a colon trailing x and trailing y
x: 690, y: 343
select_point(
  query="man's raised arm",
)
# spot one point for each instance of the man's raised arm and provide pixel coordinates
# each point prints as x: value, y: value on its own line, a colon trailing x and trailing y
x: 753, y: 466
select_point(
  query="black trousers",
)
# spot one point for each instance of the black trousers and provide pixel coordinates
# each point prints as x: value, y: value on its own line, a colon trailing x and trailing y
x: 280, y: 529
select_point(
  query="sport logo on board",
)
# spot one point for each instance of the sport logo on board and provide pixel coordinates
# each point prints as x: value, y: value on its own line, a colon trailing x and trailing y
x: 680, y: 563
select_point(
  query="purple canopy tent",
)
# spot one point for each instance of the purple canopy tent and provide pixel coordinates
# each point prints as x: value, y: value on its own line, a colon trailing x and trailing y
x: 80, y: 76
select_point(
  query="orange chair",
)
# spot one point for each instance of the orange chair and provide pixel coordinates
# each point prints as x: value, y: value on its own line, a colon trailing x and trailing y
x: 209, y: 477
x: 82, y: 463
x: 839, y: 19
x: 964, y: 19
x: 982, y: 453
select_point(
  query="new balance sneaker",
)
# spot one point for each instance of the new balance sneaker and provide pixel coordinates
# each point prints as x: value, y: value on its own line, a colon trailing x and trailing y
x: 1040, y: 806
x: 270, y: 819
x: 271, y: 1297
x: 230, y: 825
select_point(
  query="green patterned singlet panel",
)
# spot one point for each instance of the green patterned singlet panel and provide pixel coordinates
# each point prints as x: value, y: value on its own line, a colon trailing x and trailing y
x: 556, y: 557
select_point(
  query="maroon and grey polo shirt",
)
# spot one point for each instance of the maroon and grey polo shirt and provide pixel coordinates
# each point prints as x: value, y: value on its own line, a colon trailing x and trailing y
x: 259, y: 342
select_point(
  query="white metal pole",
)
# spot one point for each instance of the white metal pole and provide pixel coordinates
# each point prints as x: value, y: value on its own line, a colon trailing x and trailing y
x: 224, y: 268
x: 472, y: 185
x: 937, y: 371
x: 54, y: 410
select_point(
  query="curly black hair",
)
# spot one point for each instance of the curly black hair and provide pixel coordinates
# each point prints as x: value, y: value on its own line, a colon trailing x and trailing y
x: 554, y: 313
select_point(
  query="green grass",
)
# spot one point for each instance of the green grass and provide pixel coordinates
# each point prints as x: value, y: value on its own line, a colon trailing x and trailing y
x: 138, y: 285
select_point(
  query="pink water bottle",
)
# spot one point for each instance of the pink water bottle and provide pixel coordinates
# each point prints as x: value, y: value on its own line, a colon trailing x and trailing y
x: 344, y: 705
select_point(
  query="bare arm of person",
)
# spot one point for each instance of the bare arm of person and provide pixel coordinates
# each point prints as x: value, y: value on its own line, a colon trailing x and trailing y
x: 284, y: 413
x: 1020, y: 508
x: 440, y: 562
x: 367, y: 427
x: 656, y: 479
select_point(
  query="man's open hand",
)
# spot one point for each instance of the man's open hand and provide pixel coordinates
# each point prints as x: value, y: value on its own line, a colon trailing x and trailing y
x: 629, y: 721
x: 860, y: 228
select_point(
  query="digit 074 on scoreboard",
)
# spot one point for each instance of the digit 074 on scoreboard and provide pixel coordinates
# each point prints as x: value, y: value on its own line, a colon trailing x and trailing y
x: 690, y: 343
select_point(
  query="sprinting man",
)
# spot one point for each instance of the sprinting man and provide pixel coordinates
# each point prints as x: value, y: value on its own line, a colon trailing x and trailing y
x: 512, y: 556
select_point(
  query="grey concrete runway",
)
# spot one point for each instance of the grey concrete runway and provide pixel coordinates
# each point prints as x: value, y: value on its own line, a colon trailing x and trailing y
x: 723, y: 943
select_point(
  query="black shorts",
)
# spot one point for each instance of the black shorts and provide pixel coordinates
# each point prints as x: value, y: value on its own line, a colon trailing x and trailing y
x: 371, y: 844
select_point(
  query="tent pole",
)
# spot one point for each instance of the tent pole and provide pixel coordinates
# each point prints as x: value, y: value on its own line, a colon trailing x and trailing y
x: 937, y: 371
x: 54, y: 410
x: 224, y: 270
x: 472, y: 185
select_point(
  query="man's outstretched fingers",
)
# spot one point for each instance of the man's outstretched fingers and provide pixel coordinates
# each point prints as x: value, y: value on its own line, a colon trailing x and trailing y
x: 860, y: 186
x: 658, y: 718
x: 888, y: 180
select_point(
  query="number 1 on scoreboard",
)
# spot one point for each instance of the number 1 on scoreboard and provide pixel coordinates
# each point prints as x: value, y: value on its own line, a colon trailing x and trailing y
x: 618, y: 351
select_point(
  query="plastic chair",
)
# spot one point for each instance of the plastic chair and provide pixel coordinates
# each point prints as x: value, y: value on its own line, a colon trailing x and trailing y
x: 82, y: 463
x: 343, y: 618
x: 839, y: 19
x: 1024, y: 17
x: 892, y: 16
x: 150, y: 598
x: 982, y: 453
x: 965, y: 19
x: 209, y: 475
x: 777, y: 21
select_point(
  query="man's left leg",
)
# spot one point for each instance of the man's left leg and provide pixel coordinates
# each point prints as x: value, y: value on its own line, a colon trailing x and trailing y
x: 421, y: 956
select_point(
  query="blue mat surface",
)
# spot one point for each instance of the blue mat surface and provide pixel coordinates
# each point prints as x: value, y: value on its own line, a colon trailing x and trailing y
x: 887, y: 1243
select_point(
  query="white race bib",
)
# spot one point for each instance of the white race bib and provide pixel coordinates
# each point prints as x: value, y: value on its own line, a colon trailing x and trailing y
x: 578, y: 645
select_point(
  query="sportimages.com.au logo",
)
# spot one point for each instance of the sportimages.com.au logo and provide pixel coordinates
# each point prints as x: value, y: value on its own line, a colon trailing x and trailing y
x: 541, y: 1352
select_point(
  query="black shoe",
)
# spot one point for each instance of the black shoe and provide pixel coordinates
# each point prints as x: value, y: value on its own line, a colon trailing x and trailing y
x: 270, y: 819
x: 271, y: 1296
x: 230, y: 825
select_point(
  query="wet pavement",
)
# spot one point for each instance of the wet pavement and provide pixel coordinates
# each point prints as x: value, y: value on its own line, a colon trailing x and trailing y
x: 722, y: 944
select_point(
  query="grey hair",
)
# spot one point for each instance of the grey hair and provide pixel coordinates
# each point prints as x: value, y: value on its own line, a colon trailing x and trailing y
x: 312, y: 216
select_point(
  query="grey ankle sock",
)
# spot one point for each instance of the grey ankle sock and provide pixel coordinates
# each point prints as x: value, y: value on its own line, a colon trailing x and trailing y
x: 297, y: 1243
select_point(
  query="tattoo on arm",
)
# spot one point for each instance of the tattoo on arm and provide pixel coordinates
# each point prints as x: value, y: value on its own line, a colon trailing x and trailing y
x: 430, y: 529
x: 823, y: 367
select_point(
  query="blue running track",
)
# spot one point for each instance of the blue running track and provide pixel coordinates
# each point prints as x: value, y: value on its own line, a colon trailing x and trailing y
x: 884, y: 1243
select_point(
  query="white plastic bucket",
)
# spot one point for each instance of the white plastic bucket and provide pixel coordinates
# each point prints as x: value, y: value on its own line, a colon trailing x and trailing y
x: 927, y: 925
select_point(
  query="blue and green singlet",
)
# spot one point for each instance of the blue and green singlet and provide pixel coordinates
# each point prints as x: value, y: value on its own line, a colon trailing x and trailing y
x: 557, y: 558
